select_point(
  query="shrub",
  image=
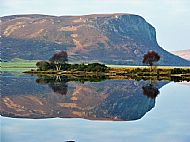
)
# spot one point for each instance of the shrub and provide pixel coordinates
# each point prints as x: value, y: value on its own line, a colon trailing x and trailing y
x: 176, y: 71
x: 43, y: 65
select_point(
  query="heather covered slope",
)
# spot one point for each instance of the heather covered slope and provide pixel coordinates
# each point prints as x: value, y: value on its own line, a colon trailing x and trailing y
x: 107, y: 38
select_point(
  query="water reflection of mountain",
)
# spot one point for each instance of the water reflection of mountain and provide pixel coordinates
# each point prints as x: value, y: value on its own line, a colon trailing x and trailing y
x: 16, y: 84
x: 106, y: 100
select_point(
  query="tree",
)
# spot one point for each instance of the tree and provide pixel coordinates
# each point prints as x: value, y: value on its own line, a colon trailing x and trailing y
x: 150, y: 58
x: 58, y: 59
x: 43, y: 65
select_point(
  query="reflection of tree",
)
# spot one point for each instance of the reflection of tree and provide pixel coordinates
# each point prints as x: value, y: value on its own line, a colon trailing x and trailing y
x: 57, y: 83
x: 59, y: 87
x: 41, y: 81
x: 150, y: 91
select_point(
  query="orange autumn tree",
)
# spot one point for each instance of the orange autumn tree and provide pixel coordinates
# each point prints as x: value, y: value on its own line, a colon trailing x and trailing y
x: 150, y: 58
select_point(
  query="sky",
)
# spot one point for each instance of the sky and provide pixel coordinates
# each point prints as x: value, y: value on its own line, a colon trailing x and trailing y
x: 171, y: 18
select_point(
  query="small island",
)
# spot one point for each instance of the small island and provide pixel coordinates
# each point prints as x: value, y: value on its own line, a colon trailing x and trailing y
x: 58, y: 65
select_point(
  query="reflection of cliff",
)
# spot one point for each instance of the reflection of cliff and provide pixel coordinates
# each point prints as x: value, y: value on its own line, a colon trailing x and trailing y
x: 126, y: 101
x: 106, y: 100
x: 20, y: 85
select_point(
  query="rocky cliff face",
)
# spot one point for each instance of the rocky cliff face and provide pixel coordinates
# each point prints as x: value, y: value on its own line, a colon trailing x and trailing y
x: 107, y: 38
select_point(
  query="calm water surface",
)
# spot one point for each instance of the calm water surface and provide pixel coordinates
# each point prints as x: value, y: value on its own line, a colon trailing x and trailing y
x: 60, y: 109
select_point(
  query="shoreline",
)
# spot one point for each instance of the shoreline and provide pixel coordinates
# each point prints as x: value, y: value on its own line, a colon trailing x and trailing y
x: 115, y: 73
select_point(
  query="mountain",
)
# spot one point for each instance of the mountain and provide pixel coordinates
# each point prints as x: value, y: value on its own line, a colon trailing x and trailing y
x: 183, y: 54
x: 107, y: 38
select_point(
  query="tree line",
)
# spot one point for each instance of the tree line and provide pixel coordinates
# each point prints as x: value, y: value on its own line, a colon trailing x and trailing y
x: 59, y: 61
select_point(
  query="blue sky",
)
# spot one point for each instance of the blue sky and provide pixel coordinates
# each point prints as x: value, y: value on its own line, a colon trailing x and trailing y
x: 171, y: 18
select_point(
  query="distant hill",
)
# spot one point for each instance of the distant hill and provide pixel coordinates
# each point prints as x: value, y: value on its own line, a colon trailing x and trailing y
x: 108, y: 38
x: 183, y: 54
